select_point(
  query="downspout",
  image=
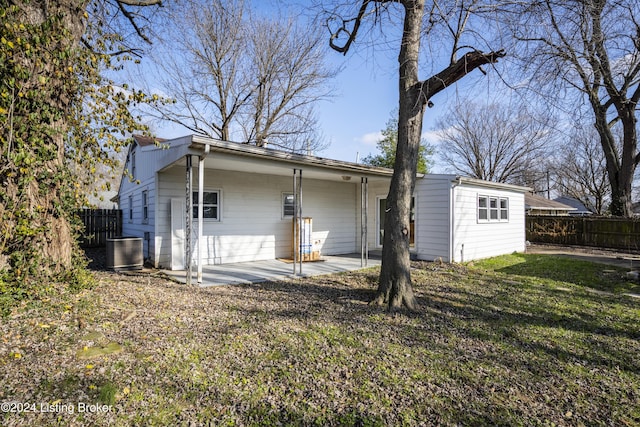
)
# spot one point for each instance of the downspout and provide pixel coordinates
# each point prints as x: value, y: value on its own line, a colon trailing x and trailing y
x: 452, y: 234
x: 201, y: 208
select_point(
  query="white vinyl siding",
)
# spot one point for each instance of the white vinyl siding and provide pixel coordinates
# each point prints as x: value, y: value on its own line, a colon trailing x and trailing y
x: 433, y: 224
x: 252, y: 226
x: 503, y: 231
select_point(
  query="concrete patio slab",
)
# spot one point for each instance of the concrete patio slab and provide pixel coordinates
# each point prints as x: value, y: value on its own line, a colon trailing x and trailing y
x: 262, y: 271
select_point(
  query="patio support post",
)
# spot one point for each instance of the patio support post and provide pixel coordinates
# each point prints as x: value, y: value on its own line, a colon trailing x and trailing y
x: 201, y: 208
x: 364, y: 210
x: 189, y: 219
x: 295, y: 220
x: 300, y: 221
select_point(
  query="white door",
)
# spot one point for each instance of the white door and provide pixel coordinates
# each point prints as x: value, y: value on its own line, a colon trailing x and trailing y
x: 177, y: 234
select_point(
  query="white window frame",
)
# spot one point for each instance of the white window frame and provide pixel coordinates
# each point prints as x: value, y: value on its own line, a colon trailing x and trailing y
x: 218, y: 217
x: 145, y: 206
x: 284, y: 204
x: 493, y: 208
x: 503, y: 210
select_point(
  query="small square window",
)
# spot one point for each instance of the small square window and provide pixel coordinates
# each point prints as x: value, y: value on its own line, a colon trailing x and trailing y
x: 483, y: 208
x: 288, y: 205
x: 493, y: 208
x: 210, y: 205
x: 504, y: 209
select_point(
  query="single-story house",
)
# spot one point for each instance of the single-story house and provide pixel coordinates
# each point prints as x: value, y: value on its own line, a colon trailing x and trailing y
x: 538, y: 205
x: 251, y: 197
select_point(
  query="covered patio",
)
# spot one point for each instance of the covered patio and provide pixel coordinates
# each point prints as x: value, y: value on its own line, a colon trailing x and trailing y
x: 274, y: 269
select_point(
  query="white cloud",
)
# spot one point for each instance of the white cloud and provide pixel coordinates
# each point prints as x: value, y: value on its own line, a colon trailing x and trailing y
x: 431, y: 136
x: 369, y: 138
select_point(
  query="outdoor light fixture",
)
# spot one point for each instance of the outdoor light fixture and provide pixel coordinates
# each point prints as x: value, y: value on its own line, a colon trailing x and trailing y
x: 346, y: 178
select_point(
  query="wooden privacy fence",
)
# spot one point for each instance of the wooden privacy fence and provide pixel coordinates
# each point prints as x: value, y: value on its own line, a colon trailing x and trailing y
x: 614, y: 233
x: 99, y: 225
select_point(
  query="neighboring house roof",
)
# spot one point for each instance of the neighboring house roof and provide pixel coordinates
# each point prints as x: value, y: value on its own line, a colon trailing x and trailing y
x: 580, y: 209
x: 532, y: 201
x: 143, y: 140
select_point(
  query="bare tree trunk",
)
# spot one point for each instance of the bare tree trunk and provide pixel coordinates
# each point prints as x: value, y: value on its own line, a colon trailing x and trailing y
x: 395, y: 276
x: 35, y: 182
x: 620, y: 167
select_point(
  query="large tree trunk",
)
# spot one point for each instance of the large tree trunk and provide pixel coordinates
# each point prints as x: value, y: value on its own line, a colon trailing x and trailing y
x: 620, y: 166
x: 37, y: 189
x: 395, y: 276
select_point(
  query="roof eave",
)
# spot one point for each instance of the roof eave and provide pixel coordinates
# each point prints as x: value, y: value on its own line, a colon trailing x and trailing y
x: 199, y: 142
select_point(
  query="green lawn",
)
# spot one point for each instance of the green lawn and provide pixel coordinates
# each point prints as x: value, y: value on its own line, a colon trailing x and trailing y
x: 515, y: 340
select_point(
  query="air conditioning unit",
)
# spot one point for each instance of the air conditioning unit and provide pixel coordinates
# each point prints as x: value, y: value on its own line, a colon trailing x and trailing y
x: 124, y: 253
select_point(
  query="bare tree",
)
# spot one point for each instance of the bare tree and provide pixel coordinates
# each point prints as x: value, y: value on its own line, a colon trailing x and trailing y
x: 581, y: 171
x: 291, y: 79
x: 415, y: 94
x: 590, y: 49
x: 202, y: 67
x: 494, y: 142
x: 241, y: 76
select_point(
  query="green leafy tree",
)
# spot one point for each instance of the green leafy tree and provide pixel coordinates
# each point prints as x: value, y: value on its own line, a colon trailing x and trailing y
x: 387, y: 149
x: 58, y: 114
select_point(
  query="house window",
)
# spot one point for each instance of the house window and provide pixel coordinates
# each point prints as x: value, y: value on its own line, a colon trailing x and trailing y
x: 493, y: 209
x: 210, y: 205
x: 483, y: 208
x: 145, y: 205
x: 288, y: 205
x: 130, y: 208
x: 504, y: 209
x: 133, y: 164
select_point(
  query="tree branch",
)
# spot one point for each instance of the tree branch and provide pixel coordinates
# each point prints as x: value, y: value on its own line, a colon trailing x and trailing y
x: 132, y: 19
x: 343, y: 29
x: 454, y: 72
x: 141, y: 3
